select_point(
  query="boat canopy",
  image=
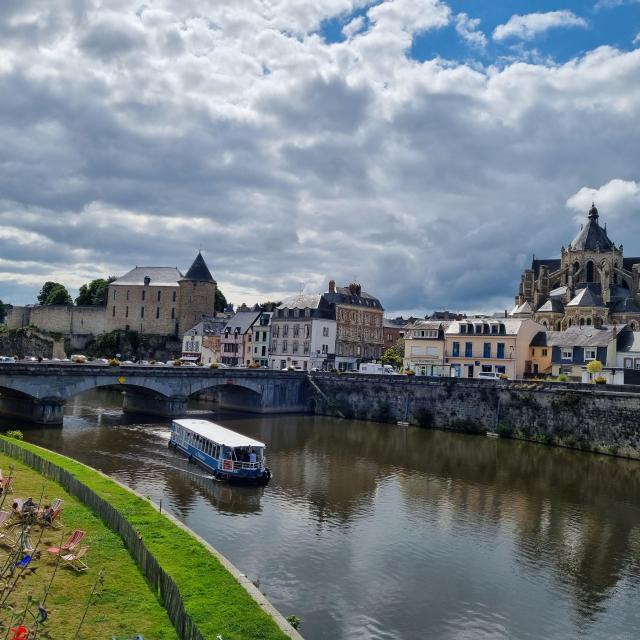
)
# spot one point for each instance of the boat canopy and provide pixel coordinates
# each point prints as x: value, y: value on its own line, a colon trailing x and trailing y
x: 218, y: 434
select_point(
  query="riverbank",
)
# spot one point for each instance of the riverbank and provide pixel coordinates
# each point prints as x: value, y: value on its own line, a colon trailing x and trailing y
x: 188, y: 572
x: 126, y: 605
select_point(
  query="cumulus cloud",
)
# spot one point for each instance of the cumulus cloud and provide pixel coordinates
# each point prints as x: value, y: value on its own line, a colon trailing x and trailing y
x: 467, y: 29
x: 620, y: 199
x: 137, y: 135
x: 527, y: 27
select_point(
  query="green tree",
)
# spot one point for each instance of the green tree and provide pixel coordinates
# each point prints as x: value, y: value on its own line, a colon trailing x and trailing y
x: 94, y: 294
x: 4, y: 309
x: 58, y: 295
x: 46, y: 290
x: 394, y: 355
x: 595, y: 366
x: 220, y: 303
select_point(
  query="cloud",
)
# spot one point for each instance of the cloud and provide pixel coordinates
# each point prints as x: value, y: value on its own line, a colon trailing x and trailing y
x: 636, y: 40
x: 527, y: 27
x: 234, y: 126
x: 467, y: 29
x: 608, y: 4
x: 353, y: 26
x: 620, y: 199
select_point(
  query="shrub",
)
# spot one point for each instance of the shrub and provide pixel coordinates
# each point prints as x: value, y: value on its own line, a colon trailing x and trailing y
x: 410, y: 372
x: 563, y: 377
x: 294, y: 621
x: 152, y: 362
x: 213, y: 365
x: 177, y: 362
x: 600, y: 380
x: 200, y: 364
x: 595, y: 366
x: 114, y: 362
x: 16, y: 434
x: 254, y: 365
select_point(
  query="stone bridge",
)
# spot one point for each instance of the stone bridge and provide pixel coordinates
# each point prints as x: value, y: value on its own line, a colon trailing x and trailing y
x: 37, y: 392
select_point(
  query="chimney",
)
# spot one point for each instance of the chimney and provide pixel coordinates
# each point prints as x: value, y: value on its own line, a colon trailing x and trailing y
x: 147, y: 280
x: 332, y: 286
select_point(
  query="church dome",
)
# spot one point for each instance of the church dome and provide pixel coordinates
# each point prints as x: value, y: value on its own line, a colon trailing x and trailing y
x: 592, y: 236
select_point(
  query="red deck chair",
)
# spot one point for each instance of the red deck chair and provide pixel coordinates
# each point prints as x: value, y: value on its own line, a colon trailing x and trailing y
x: 73, y: 541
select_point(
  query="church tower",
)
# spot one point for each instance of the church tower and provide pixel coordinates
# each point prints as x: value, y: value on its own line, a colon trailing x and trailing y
x: 197, y: 295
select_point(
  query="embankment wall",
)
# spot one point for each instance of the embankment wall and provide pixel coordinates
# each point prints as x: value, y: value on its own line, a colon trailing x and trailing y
x: 591, y: 417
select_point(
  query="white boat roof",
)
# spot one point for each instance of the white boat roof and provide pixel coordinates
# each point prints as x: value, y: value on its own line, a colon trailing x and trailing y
x: 219, y: 434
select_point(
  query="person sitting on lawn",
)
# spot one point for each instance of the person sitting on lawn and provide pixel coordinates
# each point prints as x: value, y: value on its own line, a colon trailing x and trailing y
x: 15, y: 509
x: 47, y: 513
x: 29, y: 506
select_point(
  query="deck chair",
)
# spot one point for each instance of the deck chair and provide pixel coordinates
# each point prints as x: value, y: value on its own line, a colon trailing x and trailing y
x: 54, y: 521
x: 8, y: 536
x: 73, y: 541
x: 5, y: 516
x: 75, y: 559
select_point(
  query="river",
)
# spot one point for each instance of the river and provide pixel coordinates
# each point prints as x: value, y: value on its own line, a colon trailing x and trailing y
x: 373, y: 531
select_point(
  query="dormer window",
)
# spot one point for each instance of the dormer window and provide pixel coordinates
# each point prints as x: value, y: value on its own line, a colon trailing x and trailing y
x: 463, y: 328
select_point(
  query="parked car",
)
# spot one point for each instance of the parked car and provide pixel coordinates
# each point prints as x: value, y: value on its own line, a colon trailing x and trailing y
x: 378, y: 369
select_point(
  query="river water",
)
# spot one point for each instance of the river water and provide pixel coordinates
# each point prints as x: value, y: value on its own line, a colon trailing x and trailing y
x: 372, y: 531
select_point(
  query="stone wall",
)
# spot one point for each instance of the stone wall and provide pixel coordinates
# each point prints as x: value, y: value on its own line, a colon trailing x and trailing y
x: 25, y: 343
x: 65, y: 319
x: 574, y: 415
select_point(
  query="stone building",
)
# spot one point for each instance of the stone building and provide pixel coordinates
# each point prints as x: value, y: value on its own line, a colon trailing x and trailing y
x: 359, y: 320
x: 424, y: 347
x: 591, y: 284
x: 160, y: 300
x: 303, y: 333
x: 202, y: 342
x: 236, y: 341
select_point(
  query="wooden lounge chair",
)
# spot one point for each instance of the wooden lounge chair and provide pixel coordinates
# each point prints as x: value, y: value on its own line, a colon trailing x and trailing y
x: 70, y: 545
x: 54, y: 520
x: 75, y: 559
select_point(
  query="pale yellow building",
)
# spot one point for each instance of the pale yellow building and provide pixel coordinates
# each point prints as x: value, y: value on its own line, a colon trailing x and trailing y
x: 424, y: 342
x: 490, y: 345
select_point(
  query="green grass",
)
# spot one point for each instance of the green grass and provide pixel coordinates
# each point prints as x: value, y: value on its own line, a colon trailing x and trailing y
x: 214, y: 599
x: 126, y: 606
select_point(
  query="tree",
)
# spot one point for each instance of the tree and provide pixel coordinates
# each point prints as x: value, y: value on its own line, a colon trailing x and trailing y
x: 269, y: 305
x: 58, y: 295
x: 94, y: 294
x: 46, y: 290
x: 394, y: 355
x: 595, y: 366
x: 220, y: 303
x: 4, y: 309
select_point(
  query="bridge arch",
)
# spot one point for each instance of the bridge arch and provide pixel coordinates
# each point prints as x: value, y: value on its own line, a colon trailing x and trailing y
x: 231, y: 394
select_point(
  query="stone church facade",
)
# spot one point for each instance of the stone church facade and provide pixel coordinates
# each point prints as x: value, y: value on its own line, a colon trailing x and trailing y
x: 591, y: 284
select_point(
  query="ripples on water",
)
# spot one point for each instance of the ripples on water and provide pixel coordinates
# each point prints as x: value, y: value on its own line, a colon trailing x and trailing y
x: 371, y: 531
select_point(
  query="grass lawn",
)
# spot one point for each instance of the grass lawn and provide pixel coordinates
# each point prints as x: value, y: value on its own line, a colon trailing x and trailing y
x: 126, y: 605
x: 214, y: 599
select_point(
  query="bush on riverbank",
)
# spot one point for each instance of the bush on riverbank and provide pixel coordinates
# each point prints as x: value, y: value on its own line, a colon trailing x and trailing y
x: 213, y: 598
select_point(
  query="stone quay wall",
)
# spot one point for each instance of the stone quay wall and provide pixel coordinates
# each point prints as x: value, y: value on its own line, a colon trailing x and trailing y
x: 603, y: 419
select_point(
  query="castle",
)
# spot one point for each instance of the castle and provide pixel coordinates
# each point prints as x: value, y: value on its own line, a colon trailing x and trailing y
x: 591, y: 284
x: 150, y: 300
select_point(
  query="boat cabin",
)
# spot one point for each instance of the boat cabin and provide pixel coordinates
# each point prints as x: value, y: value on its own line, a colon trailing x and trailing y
x: 227, y: 454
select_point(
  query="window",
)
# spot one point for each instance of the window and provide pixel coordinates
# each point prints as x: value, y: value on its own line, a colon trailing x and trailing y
x: 157, y: 312
x: 544, y: 353
x: 463, y: 328
x: 325, y: 332
x: 500, y: 368
x: 113, y: 311
x: 494, y: 328
x: 159, y: 295
x: 142, y: 312
x: 325, y: 348
x: 114, y: 294
x: 174, y: 296
x: 144, y: 293
x: 274, y: 346
x: 590, y: 354
x: 284, y: 346
x: 468, y: 350
x: 126, y: 312
x: 455, y: 349
x: 486, y: 352
x: 628, y: 363
x: 306, y: 347
x: 478, y: 328
x: 500, y: 353
x: 567, y: 354
x: 566, y: 370
x: 307, y: 331
x: 486, y: 368
x: 285, y: 330
x: 173, y: 314
x: 127, y: 294
x: 296, y: 330
x: 294, y: 347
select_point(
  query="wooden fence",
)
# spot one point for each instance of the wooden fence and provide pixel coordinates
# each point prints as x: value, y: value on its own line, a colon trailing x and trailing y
x: 150, y: 567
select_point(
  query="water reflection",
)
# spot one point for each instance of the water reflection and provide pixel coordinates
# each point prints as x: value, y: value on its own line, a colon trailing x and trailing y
x: 374, y: 531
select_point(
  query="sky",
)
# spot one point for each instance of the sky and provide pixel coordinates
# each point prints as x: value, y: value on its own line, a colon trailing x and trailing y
x: 425, y: 148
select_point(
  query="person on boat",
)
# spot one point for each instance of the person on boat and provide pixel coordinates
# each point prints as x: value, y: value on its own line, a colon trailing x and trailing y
x: 253, y: 458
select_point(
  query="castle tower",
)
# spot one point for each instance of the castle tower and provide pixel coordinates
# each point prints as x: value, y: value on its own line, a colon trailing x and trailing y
x: 197, y: 295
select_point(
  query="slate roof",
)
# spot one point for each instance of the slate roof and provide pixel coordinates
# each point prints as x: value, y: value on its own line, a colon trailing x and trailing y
x: 199, y: 271
x: 511, y: 325
x: 158, y: 277
x: 576, y: 336
x: 525, y: 307
x: 628, y: 341
x: 552, y: 305
x: 243, y: 321
x: 586, y: 298
x: 301, y: 301
x: 592, y: 236
x: 627, y: 305
x: 343, y: 295
x: 627, y: 263
x: 433, y: 325
x: 553, y: 264
x: 539, y: 340
x: 559, y: 292
x: 208, y: 327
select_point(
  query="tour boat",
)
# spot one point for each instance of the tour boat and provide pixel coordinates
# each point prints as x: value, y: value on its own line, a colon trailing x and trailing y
x: 228, y: 455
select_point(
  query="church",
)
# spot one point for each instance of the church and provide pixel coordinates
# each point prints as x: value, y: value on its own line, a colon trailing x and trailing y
x: 591, y: 284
